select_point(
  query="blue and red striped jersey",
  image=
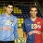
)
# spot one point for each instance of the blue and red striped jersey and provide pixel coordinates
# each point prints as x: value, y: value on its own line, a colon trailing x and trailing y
x: 33, y: 29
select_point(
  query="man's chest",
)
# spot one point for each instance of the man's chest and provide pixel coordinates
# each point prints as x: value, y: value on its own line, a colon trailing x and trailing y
x: 33, y: 26
x: 7, y: 21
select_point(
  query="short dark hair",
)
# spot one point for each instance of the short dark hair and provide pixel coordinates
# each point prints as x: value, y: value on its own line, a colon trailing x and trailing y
x: 9, y: 3
x: 33, y: 6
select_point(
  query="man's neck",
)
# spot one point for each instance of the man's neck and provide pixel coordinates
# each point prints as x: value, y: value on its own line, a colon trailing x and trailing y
x: 8, y: 15
x: 33, y: 18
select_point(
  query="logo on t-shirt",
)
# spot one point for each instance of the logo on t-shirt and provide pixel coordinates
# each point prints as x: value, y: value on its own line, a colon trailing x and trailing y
x: 39, y: 25
x: 12, y: 22
x: 33, y: 26
x: 36, y: 26
x: 7, y: 22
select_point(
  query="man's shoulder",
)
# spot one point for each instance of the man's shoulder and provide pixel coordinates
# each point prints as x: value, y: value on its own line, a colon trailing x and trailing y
x: 14, y: 16
x: 27, y: 19
x: 39, y: 18
x: 2, y: 15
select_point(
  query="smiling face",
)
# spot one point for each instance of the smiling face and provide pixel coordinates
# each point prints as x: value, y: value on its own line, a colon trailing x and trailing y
x: 9, y: 9
x: 33, y: 12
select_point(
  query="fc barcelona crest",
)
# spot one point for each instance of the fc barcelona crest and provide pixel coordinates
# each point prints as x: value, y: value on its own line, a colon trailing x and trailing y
x: 39, y: 24
x: 12, y: 20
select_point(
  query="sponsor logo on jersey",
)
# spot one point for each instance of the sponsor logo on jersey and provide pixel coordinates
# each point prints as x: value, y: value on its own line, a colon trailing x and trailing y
x: 33, y: 26
x: 7, y: 22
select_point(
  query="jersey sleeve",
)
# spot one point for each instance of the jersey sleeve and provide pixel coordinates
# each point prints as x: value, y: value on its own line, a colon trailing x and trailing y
x: 15, y: 30
x: 42, y: 29
x: 1, y: 21
x: 42, y: 24
x: 24, y: 29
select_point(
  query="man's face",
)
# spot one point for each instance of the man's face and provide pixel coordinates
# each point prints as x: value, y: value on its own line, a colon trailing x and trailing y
x: 9, y: 9
x: 33, y: 12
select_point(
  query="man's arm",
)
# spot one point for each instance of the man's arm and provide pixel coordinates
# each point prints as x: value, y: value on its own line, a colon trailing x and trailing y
x: 15, y: 30
x: 24, y: 32
x: 42, y: 28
